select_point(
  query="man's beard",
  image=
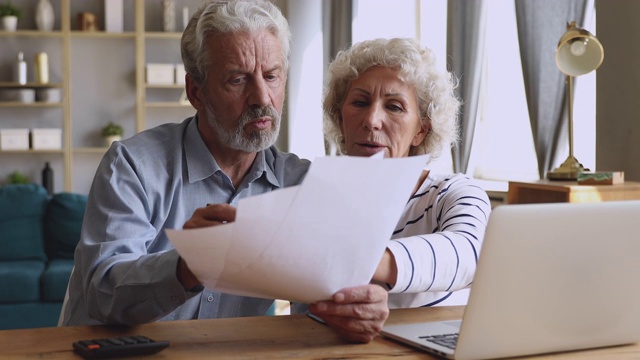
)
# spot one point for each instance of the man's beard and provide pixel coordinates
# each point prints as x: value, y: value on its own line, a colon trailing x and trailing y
x: 235, y: 138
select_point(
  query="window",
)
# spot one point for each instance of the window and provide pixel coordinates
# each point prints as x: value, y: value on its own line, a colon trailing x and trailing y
x: 503, y: 145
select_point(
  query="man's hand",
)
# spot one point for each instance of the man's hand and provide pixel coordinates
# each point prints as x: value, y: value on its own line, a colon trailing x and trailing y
x: 357, y: 314
x: 211, y: 215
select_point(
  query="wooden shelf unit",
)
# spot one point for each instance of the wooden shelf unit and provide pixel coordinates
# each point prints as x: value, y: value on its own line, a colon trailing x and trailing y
x: 82, y: 146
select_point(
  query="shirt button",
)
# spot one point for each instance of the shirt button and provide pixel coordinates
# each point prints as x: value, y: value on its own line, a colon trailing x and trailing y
x: 210, y: 298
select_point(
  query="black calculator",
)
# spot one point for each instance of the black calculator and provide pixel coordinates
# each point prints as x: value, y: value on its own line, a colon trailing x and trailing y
x: 117, y: 347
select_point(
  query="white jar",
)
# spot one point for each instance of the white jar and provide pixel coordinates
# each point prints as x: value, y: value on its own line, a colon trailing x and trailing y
x: 45, y: 17
x: 20, y: 71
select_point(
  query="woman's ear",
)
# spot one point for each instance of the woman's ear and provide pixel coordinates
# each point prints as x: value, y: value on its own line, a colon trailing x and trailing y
x: 422, y: 134
x: 194, y: 92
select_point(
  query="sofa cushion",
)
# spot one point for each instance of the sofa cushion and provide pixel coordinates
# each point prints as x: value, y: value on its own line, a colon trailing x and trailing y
x: 55, y: 279
x: 21, y: 222
x: 62, y: 224
x: 20, y: 281
x: 29, y: 315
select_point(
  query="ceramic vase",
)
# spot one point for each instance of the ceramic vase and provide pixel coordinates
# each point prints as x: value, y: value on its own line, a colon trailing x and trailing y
x: 168, y: 15
x: 108, y: 140
x: 10, y: 23
x: 45, y: 17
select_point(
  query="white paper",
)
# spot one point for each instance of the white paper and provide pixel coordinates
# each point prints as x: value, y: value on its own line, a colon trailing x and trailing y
x: 305, y: 243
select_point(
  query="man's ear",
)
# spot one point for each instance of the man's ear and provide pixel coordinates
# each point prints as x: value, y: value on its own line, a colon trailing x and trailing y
x: 193, y: 89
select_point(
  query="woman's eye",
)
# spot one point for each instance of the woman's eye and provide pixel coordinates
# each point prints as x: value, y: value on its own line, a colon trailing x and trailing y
x: 359, y: 103
x: 394, y: 108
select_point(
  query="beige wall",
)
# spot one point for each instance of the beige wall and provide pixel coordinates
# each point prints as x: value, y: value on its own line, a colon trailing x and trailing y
x: 618, y: 88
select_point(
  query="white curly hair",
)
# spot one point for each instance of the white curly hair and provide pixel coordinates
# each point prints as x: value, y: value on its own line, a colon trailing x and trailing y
x: 416, y: 65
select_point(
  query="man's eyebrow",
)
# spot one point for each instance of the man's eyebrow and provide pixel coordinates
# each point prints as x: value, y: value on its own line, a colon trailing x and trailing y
x: 274, y: 68
x: 235, y: 70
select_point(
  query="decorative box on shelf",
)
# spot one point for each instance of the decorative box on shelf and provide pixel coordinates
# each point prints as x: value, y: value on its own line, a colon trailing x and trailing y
x: 113, y: 16
x: 160, y: 74
x: 48, y: 95
x: 46, y: 139
x: 180, y: 73
x: 14, y: 139
x: 25, y: 96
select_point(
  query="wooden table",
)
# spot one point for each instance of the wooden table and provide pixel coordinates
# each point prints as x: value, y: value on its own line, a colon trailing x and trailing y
x: 548, y: 191
x: 271, y: 337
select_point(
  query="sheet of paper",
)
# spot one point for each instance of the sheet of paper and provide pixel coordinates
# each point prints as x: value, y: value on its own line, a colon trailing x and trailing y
x: 305, y: 243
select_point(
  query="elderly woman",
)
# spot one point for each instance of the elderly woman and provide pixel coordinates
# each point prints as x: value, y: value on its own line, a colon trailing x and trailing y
x: 386, y: 95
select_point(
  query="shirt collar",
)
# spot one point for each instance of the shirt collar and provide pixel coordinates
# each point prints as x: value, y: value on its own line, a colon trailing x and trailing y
x: 201, y: 164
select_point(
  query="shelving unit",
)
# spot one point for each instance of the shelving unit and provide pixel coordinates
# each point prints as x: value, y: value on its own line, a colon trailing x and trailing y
x: 101, y: 77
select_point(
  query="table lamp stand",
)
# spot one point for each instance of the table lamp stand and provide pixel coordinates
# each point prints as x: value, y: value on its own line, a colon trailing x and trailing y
x: 571, y: 167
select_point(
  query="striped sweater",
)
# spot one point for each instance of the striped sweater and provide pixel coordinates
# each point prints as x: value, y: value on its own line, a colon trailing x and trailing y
x: 437, y: 240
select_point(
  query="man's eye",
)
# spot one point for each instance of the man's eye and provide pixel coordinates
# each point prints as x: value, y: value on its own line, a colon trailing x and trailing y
x: 237, y: 81
x: 271, y: 77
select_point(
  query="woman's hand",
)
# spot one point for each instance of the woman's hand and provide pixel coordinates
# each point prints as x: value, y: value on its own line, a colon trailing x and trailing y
x: 357, y: 314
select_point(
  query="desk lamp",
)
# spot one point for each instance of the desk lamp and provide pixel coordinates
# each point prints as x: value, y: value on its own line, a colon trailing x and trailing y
x: 578, y: 53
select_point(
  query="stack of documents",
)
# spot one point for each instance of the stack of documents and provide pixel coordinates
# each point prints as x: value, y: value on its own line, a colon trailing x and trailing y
x: 305, y: 243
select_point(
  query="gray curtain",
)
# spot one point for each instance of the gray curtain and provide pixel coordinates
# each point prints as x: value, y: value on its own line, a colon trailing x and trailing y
x: 466, y: 23
x: 541, y: 23
x: 337, y: 18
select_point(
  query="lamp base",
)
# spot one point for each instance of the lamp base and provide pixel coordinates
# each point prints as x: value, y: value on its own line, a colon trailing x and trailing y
x: 569, y: 170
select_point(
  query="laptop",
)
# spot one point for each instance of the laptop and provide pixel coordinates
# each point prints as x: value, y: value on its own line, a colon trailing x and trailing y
x: 550, y: 278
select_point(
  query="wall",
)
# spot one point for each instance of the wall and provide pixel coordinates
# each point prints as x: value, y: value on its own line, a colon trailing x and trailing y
x: 618, y: 88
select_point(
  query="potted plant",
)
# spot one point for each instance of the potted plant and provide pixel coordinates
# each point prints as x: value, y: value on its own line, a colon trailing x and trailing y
x: 9, y: 14
x: 17, y: 177
x: 112, y: 132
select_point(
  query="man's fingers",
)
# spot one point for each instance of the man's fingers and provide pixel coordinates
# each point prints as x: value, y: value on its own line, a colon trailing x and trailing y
x: 219, y: 212
x: 211, y: 215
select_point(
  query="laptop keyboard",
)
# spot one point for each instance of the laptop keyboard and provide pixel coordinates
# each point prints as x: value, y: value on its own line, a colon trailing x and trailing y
x: 446, y: 340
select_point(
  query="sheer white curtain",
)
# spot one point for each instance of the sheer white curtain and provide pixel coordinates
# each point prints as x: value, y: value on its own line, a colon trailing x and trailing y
x: 503, y: 146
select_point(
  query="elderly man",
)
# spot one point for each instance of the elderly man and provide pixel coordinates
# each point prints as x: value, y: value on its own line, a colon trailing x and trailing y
x: 126, y: 271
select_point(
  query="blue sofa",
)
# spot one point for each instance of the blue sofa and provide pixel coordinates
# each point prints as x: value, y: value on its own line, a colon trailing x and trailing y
x: 38, y: 235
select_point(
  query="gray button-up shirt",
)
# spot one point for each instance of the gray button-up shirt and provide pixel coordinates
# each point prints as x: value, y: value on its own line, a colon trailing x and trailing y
x: 125, y: 266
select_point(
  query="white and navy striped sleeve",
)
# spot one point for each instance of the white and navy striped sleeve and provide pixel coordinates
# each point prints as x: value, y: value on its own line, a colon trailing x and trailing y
x: 438, y: 238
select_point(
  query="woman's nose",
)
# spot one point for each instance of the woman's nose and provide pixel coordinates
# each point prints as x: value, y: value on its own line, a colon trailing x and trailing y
x: 373, y: 118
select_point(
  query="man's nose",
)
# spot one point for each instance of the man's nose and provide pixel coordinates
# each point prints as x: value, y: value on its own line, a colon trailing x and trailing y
x: 259, y: 94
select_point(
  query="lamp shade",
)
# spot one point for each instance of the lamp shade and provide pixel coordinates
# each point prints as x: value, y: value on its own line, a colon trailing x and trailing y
x: 578, y: 52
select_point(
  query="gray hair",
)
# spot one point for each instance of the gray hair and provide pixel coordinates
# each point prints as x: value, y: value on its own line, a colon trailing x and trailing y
x: 229, y: 17
x: 438, y: 105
